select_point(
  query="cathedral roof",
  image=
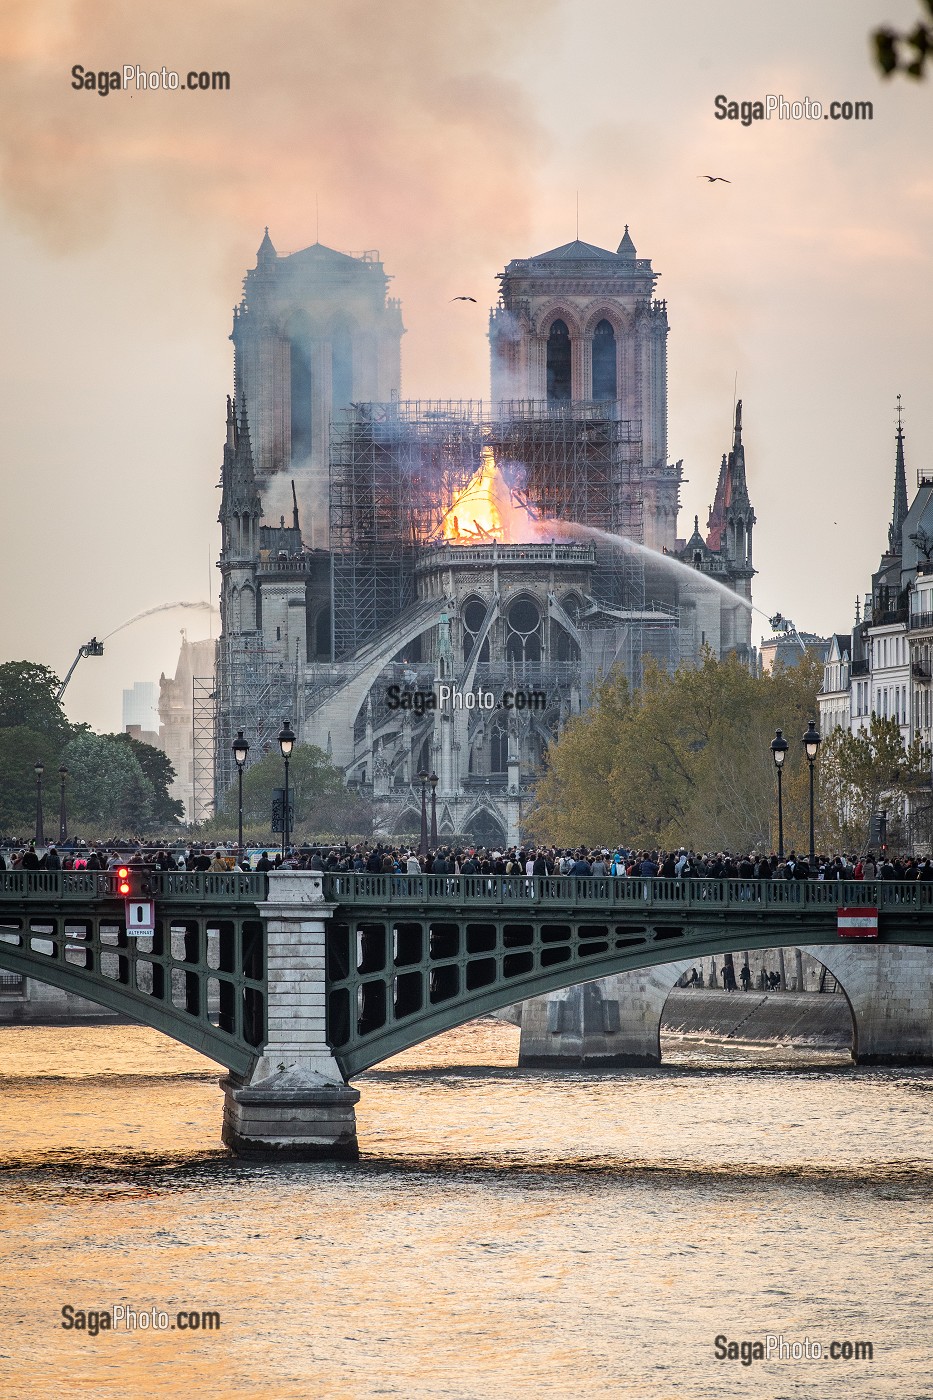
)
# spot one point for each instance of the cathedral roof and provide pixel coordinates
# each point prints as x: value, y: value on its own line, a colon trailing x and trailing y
x: 320, y: 255
x: 575, y: 252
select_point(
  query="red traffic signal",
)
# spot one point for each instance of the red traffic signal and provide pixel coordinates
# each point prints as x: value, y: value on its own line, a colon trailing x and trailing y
x: 124, y: 887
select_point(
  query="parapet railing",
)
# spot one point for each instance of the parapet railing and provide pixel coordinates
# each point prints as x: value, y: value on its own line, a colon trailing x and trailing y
x: 563, y: 891
x: 229, y: 887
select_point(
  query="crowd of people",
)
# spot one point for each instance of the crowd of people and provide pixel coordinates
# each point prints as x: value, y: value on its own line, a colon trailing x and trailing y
x: 620, y: 862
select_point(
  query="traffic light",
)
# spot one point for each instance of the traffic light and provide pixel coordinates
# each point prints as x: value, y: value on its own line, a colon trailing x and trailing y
x: 124, y: 883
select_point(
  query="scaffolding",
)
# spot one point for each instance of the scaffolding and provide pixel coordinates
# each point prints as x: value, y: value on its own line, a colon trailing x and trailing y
x: 397, y: 468
x: 255, y: 692
x: 203, y: 744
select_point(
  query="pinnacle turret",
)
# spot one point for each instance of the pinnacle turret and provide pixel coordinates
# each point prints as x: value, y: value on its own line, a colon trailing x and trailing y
x: 900, y: 489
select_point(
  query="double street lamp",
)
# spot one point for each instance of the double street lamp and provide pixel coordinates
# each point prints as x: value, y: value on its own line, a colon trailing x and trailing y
x: 286, y: 744
x: 40, y: 832
x: 62, y: 818
x: 240, y: 751
x: 779, y: 747
x: 811, y: 742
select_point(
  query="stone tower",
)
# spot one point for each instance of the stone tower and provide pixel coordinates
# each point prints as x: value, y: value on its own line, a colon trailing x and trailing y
x: 578, y: 325
x: 314, y: 332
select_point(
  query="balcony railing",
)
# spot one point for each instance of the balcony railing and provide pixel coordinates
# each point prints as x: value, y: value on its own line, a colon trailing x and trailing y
x: 921, y: 621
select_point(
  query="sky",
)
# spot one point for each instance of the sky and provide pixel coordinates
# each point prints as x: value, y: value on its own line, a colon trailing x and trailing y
x: 451, y: 137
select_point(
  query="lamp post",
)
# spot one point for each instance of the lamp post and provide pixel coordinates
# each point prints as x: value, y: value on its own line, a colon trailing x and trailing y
x: 40, y: 834
x: 423, y: 780
x: 433, y: 781
x: 811, y: 742
x: 240, y: 750
x: 779, y: 747
x: 286, y: 744
x: 62, y: 817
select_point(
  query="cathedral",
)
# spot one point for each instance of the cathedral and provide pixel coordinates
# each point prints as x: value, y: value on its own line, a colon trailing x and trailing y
x: 435, y: 587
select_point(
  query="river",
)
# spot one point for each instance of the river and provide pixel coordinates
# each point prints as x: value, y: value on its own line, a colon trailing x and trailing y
x: 507, y: 1234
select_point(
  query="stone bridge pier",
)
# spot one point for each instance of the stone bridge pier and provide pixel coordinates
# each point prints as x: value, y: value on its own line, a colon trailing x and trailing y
x: 615, y: 1022
x: 295, y: 1104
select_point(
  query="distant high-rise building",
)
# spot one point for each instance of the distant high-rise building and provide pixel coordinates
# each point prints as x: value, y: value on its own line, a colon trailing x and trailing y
x: 141, y: 706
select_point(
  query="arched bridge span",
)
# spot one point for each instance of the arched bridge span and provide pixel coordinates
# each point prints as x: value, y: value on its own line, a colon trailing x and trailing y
x: 411, y: 956
x: 246, y: 968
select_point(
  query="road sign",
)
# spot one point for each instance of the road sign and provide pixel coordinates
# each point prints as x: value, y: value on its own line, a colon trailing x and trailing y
x: 857, y: 923
x: 140, y: 917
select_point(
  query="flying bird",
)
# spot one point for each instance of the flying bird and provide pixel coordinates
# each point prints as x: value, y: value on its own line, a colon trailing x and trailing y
x: 713, y: 178
x: 473, y: 299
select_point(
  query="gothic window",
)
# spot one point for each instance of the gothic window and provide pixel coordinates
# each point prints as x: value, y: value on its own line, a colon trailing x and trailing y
x: 558, y: 363
x: 322, y: 633
x: 301, y: 410
x: 523, y: 642
x: 604, y: 362
x: 565, y: 648
x: 247, y: 610
x: 499, y: 748
x: 473, y: 614
x: 341, y: 368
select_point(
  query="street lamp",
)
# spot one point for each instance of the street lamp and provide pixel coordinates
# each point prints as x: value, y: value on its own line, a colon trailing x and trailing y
x: 62, y: 818
x: 811, y: 742
x: 240, y: 750
x: 423, y: 780
x: 779, y: 747
x: 286, y: 744
x: 40, y: 834
x: 433, y: 781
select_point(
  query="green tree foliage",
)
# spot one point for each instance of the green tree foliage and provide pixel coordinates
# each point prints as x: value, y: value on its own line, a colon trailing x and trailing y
x: 28, y: 699
x: 897, y: 52
x: 20, y: 747
x: 864, y: 773
x: 322, y: 803
x: 110, y: 794
x: 157, y: 767
x: 685, y: 760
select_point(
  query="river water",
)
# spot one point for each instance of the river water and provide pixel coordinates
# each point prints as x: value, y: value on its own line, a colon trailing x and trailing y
x: 508, y: 1233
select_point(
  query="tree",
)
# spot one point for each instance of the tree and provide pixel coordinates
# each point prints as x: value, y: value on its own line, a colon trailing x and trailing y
x: 110, y: 793
x: 897, y: 52
x: 20, y: 747
x: 323, y: 805
x: 685, y: 760
x: 864, y: 773
x: 28, y: 698
x: 157, y: 767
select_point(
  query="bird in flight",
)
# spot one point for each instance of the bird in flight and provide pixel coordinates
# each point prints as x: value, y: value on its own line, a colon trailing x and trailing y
x: 713, y: 178
x: 473, y: 299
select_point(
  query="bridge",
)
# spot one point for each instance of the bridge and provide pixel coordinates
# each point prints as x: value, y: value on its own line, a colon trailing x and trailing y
x: 296, y: 982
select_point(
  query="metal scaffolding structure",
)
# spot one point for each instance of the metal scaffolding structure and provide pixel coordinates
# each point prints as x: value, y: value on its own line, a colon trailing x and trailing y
x: 255, y: 692
x: 397, y: 468
x: 203, y: 745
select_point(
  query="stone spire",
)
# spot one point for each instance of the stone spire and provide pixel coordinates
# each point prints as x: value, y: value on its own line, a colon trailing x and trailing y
x: 626, y: 249
x: 900, y: 489
x: 239, y: 492
x: 739, y: 492
x: 266, y: 252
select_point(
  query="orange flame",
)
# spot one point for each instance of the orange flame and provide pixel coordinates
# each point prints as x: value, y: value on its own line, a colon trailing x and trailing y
x: 488, y: 511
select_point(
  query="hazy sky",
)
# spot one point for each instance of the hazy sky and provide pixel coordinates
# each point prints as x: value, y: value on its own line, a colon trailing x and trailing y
x: 452, y: 137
